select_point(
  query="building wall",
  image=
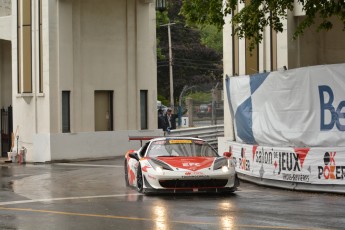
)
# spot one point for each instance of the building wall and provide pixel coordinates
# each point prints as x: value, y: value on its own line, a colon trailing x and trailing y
x: 87, y: 46
x: 316, y: 48
x: 92, y: 56
x: 228, y: 60
x: 313, y: 48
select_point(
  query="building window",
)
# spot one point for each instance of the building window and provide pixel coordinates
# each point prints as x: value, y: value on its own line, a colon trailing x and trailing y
x: 143, y: 109
x: 19, y: 48
x: 273, y: 35
x: 235, y: 51
x: 24, y: 37
x: 66, y: 124
x: 40, y: 48
x: 19, y: 55
x: 252, y: 57
x: 104, y: 110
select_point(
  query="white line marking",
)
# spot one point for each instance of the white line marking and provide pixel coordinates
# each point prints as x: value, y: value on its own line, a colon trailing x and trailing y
x: 87, y: 165
x: 66, y: 198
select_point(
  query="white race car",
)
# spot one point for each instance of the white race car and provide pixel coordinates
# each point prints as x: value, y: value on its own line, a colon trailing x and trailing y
x: 179, y: 164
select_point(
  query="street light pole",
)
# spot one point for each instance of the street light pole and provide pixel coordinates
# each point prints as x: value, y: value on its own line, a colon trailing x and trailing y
x: 171, y: 71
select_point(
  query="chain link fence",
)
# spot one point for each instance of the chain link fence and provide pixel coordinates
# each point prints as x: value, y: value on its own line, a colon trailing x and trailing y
x: 203, y: 114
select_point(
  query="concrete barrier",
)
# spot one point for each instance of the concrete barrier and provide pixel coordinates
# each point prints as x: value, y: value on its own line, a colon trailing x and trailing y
x: 85, y: 145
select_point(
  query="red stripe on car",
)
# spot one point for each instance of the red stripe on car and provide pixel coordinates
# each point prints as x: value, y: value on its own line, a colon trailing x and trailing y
x: 189, y: 163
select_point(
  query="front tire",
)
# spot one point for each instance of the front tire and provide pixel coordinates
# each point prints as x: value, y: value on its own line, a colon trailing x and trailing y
x: 126, y: 174
x: 140, y: 180
x: 236, y: 184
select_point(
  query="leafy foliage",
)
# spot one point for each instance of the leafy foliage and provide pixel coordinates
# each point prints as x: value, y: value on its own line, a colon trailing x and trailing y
x: 163, y: 100
x: 212, y: 37
x: 200, y: 97
x: 161, y: 17
x: 194, y: 64
x: 250, y: 21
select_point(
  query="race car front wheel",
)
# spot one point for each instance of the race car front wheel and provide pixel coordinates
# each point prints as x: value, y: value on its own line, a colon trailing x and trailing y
x: 140, y: 180
x: 126, y: 173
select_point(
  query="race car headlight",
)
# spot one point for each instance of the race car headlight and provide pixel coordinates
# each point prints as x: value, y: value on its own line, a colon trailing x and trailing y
x: 158, y: 165
x: 221, y: 163
x: 159, y: 169
x: 225, y: 168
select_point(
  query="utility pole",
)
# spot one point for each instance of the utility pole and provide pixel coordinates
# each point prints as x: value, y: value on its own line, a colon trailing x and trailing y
x: 170, y: 67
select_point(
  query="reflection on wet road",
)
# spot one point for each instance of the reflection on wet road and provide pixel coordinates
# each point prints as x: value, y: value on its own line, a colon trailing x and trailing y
x: 92, y: 195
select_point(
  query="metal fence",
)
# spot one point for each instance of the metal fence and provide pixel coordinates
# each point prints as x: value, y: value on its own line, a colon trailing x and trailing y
x: 208, y: 133
x: 203, y: 114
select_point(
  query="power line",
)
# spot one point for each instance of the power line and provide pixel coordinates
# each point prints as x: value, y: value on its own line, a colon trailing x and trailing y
x: 197, y: 67
x: 194, y: 67
x: 188, y: 63
x: 194, y: 60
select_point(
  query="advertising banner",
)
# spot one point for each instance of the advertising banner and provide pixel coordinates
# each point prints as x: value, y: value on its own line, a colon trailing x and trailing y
x: 302, y: 107
x: 316, y: 166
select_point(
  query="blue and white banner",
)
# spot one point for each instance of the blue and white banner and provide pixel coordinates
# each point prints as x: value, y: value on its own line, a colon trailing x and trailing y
x: 302, y: 107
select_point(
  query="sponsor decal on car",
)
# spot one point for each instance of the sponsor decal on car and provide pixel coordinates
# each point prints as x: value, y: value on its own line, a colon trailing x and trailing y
x: 180, y: 141
x: 199, y: 142
x: 194, y: 175
x: 158, y: 143
x: 189, y: 163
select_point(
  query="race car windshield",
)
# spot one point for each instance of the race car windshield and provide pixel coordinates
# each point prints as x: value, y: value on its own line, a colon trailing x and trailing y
x: 181, y: 148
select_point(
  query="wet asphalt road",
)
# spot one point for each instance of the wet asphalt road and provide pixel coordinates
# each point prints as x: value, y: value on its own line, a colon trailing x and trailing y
x: 92, y: 195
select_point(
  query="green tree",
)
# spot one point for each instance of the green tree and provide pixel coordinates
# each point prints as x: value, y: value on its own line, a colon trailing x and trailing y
x: 194, y: 63
x: 212, y: 37
x: 257, y: 14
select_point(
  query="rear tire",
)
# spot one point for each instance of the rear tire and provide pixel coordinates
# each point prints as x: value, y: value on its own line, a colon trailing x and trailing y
x: 126, y: 173
x: 140, y: 180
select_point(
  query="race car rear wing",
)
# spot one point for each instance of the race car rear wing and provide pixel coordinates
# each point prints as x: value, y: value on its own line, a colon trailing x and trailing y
x: 141, y: 138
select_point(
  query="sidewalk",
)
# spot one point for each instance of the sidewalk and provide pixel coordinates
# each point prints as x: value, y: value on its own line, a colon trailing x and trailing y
x: 3, y: 160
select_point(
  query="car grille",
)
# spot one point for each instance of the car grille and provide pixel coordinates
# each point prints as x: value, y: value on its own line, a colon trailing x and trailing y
x: 193, y: 183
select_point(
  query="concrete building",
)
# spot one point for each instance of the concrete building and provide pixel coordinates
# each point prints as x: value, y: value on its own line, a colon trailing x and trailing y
x: 79, y: 74
x: 277, y: 51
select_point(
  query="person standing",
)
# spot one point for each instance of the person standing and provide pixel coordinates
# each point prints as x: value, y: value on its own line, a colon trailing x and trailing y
x: 170, y: 120
x: 161, y: 120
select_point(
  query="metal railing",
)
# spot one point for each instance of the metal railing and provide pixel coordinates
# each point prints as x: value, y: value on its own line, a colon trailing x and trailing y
x: 208, y: 133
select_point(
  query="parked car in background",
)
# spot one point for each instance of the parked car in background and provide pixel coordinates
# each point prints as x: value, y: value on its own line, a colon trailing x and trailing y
x: 204, y: 110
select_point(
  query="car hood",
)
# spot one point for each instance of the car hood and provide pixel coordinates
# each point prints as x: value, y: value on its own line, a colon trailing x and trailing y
x: 189, y: 163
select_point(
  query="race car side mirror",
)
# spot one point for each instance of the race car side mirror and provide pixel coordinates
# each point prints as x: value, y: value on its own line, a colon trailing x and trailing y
x: 134, y: 156
x: 227, y: 154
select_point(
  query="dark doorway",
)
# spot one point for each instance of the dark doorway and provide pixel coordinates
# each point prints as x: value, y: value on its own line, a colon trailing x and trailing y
x: 6, y: 130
